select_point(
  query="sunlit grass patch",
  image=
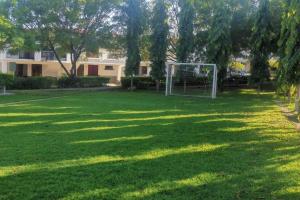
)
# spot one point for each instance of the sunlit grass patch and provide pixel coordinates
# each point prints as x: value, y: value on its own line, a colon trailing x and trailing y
x: 142, y: 145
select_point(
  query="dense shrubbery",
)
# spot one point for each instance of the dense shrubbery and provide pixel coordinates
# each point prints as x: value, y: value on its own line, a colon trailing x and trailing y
x: 192, y: 81
x: 82, y: 82
x: 28, y: 83
x: 138, y: 82
x: 6, y: 80
x: 236, y: 81
x: 149, y: 83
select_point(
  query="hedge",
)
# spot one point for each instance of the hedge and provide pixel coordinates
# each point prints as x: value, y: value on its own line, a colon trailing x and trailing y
x: 6, y: 80
x: 27, y: 83
x: 138, y: 82
x: 82, y: 82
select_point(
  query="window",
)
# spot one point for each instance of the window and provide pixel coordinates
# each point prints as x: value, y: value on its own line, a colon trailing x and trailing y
x: 48, y: 55
x: 93, y: 70
x: 37, y: 70
x: 21, y: 70
x: 108, y: 67
x: 144, y: 71
x: 26, y: 55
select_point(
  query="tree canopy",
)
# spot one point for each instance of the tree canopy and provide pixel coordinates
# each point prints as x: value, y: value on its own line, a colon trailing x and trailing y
x: 65, y: 26
x: 261, y: 44
x: 159, y: 41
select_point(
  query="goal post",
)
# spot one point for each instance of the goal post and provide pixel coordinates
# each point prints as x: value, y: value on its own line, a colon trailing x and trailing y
x: 191, y: 79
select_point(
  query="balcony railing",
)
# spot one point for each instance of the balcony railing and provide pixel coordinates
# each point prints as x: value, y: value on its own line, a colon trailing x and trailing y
x: 21, y: 55
x: 49, y: 55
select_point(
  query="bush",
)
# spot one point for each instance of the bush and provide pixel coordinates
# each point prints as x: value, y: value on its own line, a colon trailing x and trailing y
x: 6, y: 80
x: 28, y: 83
x: 192, y: 81
x: 82, y: 82
x: 138, y: 82
x: 236, y: 81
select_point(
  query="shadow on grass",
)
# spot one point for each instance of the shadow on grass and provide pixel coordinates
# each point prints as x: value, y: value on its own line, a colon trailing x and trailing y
x: 142, y: 146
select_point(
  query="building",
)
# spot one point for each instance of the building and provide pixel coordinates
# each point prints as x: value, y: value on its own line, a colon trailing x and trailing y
x: 104, y: 63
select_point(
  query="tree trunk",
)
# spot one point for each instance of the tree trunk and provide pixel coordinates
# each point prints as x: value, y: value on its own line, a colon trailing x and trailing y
x: 131, y: 84
x: 58, y: 58
x: 74, y: 70
x: 297, y: 109
x: 157, y: 85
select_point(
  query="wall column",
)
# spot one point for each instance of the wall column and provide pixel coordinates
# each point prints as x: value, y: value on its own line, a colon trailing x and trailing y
x: 29, y: 70
x: 85, y: 71
x: 119, y: 76
x: 4, y: 66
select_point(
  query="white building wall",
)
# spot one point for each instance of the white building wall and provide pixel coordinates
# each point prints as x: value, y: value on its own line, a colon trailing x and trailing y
x: 3, y: 67
x: 38, y: 56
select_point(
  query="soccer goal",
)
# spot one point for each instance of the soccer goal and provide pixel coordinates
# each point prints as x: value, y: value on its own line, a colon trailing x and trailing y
x: 191, y: 79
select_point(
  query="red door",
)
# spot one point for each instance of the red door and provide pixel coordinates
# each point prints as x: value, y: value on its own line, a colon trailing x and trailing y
x: 93, y: 70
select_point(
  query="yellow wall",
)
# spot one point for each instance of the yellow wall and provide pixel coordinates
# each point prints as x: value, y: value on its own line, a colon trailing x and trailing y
x: 53, y: 69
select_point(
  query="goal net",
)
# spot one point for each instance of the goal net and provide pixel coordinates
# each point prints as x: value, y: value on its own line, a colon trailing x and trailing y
x: 191, y: 79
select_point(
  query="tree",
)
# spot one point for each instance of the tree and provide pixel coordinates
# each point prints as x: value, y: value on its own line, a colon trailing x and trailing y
x: 290, y: 42
x: 8, y: 34
x: 159, y: 42
x: 219, y: 46
x: 134, y: 25
x: 185, y: 43
x: 5, y: 80
x: 186, y: 31
x: 261, y: 44
x: 69, y: 26
x: 173, y: 10
x: 283, y: 83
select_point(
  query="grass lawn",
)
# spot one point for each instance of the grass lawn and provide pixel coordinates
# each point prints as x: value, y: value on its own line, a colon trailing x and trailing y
x: 121, y: 145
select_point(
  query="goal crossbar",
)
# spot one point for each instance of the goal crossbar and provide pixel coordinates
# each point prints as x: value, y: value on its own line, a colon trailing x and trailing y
x: 170, y: 71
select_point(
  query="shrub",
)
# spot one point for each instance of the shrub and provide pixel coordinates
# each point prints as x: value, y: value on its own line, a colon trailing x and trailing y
x: 34, y: 83
x: 138, y: 82
x: 82, y: 82
x: 236, y: 81
x: 6, y: 80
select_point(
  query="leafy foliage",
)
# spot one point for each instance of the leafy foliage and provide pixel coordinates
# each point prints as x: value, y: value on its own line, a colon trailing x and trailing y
x: 6, y: 80
x: 65, y: 26
x: 219, y: 47
x: 290, y: 41
x: 134, y: 23
x: 159, y: 41
x: 186, y: 31
x: 261, y: 44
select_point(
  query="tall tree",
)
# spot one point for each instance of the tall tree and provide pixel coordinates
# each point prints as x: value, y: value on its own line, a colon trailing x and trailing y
x: 283, y: 83
x: 185, y: 43
x: 261, y: 44
x: 173, y: 22
x: 5, y: 32
x: 8, y: 34
x: 134, y: 24
x: 186, y: 31
x: 159, y: 41
x: 219, y: 46
x: 290, y: 41
x: 69, y: 26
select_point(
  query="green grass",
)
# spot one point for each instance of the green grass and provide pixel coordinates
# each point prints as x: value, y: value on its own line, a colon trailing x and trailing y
x: 119, y: 145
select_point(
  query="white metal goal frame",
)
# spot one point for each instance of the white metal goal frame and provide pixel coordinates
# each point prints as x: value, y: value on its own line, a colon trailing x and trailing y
x: 170, y: 71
